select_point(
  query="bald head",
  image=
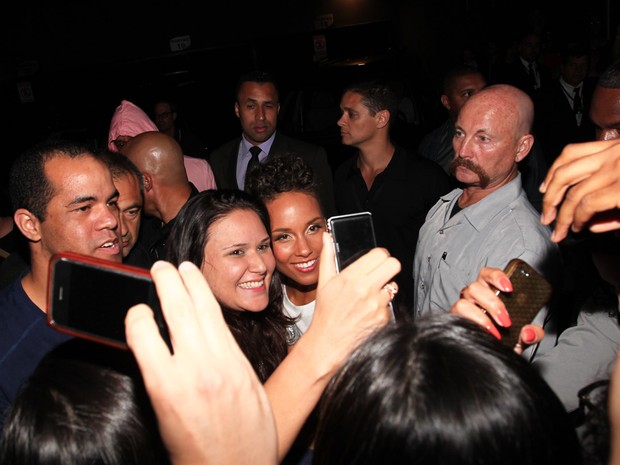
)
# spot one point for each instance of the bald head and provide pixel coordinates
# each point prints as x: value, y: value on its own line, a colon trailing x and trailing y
x: 507, y: 102
x: 492, y: 137
x: 158, y: 155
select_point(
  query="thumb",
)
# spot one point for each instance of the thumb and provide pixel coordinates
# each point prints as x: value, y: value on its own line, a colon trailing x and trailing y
x: 327, y: 264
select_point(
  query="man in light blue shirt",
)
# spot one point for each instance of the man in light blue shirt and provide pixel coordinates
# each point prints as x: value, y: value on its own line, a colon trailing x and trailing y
x: 489, y: 220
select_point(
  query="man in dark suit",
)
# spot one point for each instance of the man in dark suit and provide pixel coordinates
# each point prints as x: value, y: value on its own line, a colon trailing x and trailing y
x: 257, y: 106
x: 563, y: 107
x: 526, y: 72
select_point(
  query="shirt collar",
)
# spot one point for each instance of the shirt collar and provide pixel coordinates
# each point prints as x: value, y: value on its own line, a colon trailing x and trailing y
x: 264, y: 146
x: 484, y: 211
x: 568, y: 88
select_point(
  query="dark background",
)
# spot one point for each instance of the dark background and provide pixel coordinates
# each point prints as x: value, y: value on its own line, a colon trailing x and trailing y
x: 75, y: 60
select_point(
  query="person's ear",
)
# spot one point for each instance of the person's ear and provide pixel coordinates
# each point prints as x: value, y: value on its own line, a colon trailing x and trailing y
x: 28, y: 224
x: 525, y: 145
x: 445, y: 101
x: 147, y: 179
x: 383, y: 118
x: 237, y: 110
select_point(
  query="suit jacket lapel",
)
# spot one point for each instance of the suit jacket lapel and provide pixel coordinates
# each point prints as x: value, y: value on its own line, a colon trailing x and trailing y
x: 232, y: 164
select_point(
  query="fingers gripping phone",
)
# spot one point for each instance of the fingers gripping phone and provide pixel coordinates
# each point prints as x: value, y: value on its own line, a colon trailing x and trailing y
x: 353, y: 235
x: 531, y: 292
x: 89, y: 298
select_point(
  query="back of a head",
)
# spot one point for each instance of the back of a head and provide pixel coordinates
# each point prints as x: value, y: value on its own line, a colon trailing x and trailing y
x: 29, y: 187
x: 80, y: 413
x: 159, y: 155
x: 441, y: 391
x: 282, y: 174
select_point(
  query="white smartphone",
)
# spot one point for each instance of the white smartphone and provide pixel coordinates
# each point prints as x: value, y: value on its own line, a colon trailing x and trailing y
x: 353, y: 235
x: 89, y: 298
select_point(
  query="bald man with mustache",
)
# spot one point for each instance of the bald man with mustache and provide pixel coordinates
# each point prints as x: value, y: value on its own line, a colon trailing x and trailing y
x: 488, y: 220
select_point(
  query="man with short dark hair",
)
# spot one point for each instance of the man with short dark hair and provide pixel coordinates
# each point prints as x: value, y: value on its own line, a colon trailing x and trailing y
x: 64, y: 200
x: 167, y: 118
x: 459, y: 83
x: 396, y: 186
x: 257, y: 104
x: 128, y: 181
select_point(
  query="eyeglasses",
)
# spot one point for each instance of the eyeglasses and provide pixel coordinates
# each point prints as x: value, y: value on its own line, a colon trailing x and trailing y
x: 163, y: 115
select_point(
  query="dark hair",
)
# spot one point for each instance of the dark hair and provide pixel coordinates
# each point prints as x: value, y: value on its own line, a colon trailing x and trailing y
x: 119, y: 165
x: 80, y: 413
x: 281, y: 174
x: 261, y: 77
x: 29, y: 187
x: 169, y: 101
x: 377, y: 96
x: 261, y: 335
x: 610, y: 78
x: 575, y: 50
x: 456, y: 72
x: 441, y: 391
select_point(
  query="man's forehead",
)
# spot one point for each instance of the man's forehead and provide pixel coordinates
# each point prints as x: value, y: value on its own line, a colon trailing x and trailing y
x: 127, y: 184
x: 261, y: 91
x: 65, y: 172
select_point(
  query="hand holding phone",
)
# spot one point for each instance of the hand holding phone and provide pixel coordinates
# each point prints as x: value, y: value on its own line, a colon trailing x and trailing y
x: 89, y: 298
x: 530, y: 293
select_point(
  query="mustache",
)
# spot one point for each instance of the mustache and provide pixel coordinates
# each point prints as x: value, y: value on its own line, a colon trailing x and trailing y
x: 483, y: 177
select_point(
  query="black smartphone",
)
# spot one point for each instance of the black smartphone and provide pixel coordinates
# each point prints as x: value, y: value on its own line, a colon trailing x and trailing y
x: 531, y: 292
x: 89, y: 297
x: 353, y: 235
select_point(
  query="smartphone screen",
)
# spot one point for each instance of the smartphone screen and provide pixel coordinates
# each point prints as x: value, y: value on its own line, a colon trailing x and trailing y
x: 353, y: 236
x: 90, y: 298
x: 531, y: 292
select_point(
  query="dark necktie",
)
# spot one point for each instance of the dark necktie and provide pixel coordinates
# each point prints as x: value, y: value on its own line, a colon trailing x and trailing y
x: 533, y: 76
x: 577, y: 104
x: 255, y: 151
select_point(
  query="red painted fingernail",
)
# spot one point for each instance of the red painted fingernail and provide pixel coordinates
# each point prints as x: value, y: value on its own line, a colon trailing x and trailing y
x: 529, y: 335
x: 504, y: 318
x: 506, y: 284
x: 493, y: 330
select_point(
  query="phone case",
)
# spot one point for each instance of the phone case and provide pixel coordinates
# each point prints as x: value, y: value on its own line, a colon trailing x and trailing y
x: 88, y: 297
x: 353, y: 235
x: 531, y: 292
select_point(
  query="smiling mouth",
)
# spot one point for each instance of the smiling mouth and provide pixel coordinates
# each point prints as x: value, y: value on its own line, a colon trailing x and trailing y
x: 306, y: 265
x: 252, y: 284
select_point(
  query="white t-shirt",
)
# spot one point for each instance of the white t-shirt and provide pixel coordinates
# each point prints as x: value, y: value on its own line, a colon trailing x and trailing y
x: 304, y: 313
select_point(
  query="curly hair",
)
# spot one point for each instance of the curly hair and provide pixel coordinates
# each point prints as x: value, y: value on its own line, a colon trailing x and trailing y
x: 284, y: 173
